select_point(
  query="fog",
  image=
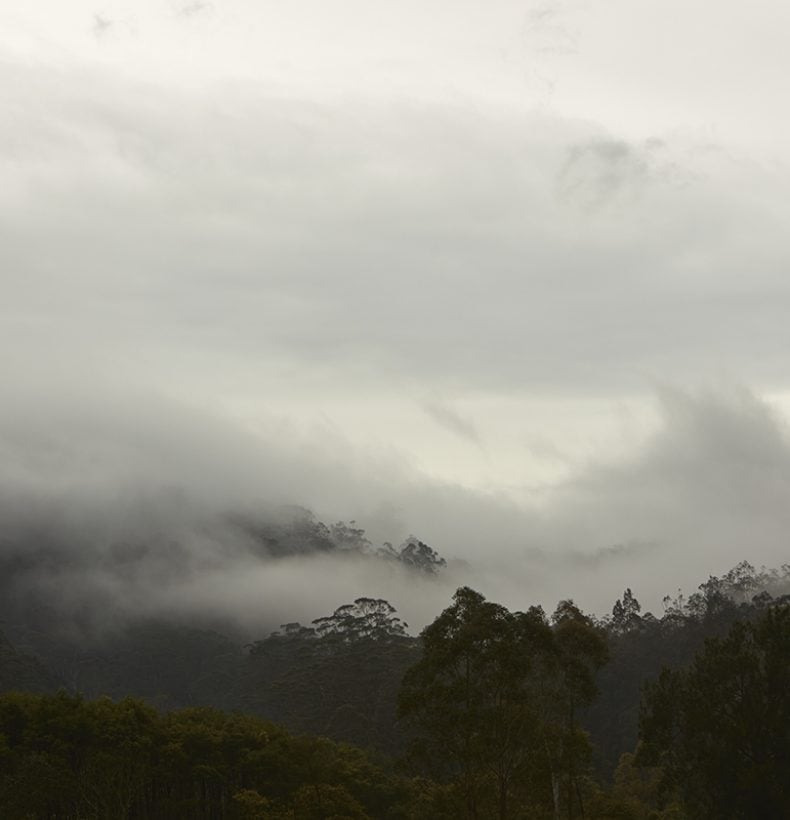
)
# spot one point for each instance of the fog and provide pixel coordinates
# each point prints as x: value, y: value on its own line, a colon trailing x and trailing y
x: 509, y: 279
x: 128, y: 509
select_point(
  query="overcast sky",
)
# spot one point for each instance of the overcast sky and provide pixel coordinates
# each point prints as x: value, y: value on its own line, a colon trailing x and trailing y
x: 515, y: 272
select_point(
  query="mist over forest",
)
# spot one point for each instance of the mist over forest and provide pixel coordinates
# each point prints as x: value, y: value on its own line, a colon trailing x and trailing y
x: 131, y: 509
x: 394, y: 410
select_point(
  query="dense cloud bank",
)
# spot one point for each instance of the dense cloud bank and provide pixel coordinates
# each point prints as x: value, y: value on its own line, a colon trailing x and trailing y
x: 243, y: 286
x: 143, y: 509
x: 252, y: 242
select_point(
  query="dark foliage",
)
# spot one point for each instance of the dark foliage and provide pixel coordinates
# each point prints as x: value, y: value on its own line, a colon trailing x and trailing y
x: 720, y: 729
x: 493, y: 700
x: 339, y: 678
x: 499, y: 709
x: 641, y: 645
x: 66, y: 758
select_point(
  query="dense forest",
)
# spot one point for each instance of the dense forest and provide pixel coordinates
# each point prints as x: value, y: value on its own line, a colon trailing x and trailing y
x: 488, y: 713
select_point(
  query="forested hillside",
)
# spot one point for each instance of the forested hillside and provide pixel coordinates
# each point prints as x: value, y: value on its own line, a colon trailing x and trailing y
x: 63, y: 757
x: 499, y: 712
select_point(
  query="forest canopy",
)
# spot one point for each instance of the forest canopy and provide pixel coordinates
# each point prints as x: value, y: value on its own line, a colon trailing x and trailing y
x: 488, y: 713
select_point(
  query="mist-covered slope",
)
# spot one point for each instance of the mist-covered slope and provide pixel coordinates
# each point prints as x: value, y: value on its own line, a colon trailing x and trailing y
x: 339, y: 676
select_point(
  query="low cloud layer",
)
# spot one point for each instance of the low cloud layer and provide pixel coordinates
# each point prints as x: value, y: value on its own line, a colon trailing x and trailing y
x: 135, y: 510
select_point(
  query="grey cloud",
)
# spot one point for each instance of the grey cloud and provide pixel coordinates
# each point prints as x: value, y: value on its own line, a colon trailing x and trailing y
x: 705, y: 492
x: 417, y: 243
x: 134, y: 497
x: 235, y: 244
x: 451, y: 420
x: 597, y: 172
x: 617, y: 554
x: 545, y: 449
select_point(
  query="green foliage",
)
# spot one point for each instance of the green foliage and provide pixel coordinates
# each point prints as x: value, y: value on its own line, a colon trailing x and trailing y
x: 326, y: 802
x: 721, y: 728
x: 64, y: 757
x: 634, y: 795
x: 365, y: 618
x: 642, y: 644
x: 579, y: 650
x: 339, y: 678
x: 496, y: 708
x: 492, y: 702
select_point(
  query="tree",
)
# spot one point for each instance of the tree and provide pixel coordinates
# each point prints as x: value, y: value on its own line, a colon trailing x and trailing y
x: 418, y: 555
x: 721, y: 728
x: 625, y: 613
x: 474, y: 701
x: 415, y: 555
x: 365, y: 618
x: 338, y: 678
x: 579, y: 649
x: 64, y: 757
x: 349, y: 537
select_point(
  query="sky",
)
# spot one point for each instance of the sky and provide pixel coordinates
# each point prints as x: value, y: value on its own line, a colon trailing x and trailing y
x: 509, y: 275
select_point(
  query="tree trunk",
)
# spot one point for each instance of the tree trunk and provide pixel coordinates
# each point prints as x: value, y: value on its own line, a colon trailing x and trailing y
x: 571, y: 772
x: 555, y: 793
x: 503, y: 799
